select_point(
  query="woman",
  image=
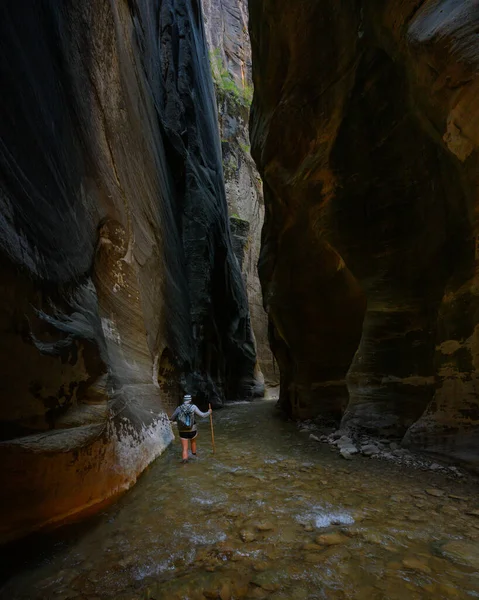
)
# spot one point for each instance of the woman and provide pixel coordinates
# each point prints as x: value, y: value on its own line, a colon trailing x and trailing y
x: 184, y: 416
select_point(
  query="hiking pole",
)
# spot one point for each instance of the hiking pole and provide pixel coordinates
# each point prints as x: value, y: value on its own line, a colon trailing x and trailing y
x: 212, y: 432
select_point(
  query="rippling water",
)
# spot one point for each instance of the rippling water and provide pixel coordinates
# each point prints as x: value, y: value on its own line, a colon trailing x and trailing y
x: 271, y: 515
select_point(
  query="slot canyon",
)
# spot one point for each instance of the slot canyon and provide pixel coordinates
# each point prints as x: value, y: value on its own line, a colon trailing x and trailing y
x: 270, y: 206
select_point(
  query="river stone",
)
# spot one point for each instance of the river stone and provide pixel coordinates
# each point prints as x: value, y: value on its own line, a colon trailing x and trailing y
x: 265, y: 526
x: 462, y: 552
x: 308, y: 547
x: 258, y: 592
x: 266, y: 580
x: 456, y: 497
x: 345, y: 442
x: 247, y: 536
x: 369, y: 450
x: 434, y: 492
x: 330, y: 539
x: 225, y: 592
x: 346, y: 454
x: 314, y: 558
x: 416, y: 565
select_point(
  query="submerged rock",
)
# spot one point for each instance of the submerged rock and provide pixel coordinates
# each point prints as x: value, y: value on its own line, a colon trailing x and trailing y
x: 331, y: 539
x: 415, y: 564
x: 434, y: 492
x: 462, y: 552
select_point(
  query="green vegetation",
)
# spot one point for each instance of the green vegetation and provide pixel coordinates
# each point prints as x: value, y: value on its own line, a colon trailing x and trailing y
x: 225, y: 84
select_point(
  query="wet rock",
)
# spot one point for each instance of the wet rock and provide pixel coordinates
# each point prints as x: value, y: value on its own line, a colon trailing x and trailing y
x: 369, y: 450
x: 371, y: 537
x: 309, y: 547
x: 314, y: 558
x: 225, y: 591
x: 346, y: 454
x: 450, y: 510
x: 416, y: 565
x: 346, y: 443
x: 247, y: 536
x: 394, y: 446
x: 461, y: 552
x: 314, y: 438
x: 258, y: 592
x: 416, y: 517
x: 457, y: 497
x: 330, y: 539
x: 265, y: 526
x: 434, y: 492
x: 261, y: 566
x: 267, y: 580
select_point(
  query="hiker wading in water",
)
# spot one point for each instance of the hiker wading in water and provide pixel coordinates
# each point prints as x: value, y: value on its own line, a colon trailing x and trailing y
x: 184, y: 416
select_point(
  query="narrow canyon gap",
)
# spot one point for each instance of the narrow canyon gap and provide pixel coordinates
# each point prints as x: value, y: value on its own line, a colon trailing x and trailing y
x: 120, y: 289
x: 226, y: 27
x: 365, y: 130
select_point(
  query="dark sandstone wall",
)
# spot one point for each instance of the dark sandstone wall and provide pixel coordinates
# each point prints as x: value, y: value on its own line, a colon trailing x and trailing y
x: 226, y: 26
x: 119, y: 286
x: 365, y: 128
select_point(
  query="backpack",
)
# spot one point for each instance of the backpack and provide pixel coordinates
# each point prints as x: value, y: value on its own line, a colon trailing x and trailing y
x: 185, y: 418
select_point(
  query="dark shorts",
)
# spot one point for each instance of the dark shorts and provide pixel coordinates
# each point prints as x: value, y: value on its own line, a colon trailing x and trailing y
x: 188, y: 435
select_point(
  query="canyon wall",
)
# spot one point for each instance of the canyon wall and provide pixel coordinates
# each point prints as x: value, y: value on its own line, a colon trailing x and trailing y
x: 365, y: 128
x: 120, y: 288
x: 226, y: 26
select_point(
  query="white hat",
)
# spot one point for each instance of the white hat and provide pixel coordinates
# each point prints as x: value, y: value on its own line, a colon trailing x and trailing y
x: 187, y: 398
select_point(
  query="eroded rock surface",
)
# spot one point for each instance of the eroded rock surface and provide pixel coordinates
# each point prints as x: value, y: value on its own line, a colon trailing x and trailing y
x: 120, y: 288
x: 365, y: 129
x: 226, y: 25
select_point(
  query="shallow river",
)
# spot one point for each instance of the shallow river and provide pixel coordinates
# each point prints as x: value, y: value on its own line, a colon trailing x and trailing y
x: 272, y: 515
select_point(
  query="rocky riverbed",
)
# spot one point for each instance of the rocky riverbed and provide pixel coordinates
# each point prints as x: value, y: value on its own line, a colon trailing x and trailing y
x: 273, y: 514
x: 350, y: 444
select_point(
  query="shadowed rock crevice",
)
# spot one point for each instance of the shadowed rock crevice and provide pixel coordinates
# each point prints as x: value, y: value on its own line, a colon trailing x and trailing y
x: 226, y: 28
x: 364, y: 129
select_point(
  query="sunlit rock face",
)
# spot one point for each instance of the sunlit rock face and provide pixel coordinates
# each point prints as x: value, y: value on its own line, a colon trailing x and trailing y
x: 365, y: 127
x: 226, y: 27
x: 119, y: 286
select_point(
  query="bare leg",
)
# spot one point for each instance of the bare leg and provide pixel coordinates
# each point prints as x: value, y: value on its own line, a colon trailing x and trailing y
x: 193, y: 446
x: 184, y: 449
